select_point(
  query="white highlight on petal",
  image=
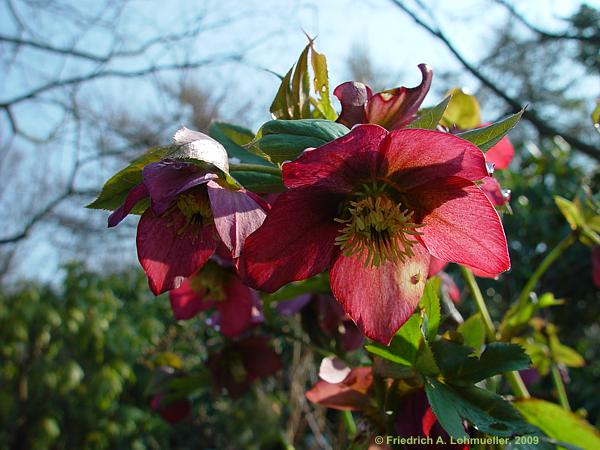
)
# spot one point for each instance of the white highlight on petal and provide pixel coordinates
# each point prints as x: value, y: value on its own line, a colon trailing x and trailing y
x: 333, y: 370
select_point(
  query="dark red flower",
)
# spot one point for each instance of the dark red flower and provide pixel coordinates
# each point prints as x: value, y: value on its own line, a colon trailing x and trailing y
x: 241, y: 363
x: 392, y: 109
x: 372, y: 207
x: 190, y: 212
x: 218, y: 287
x: 415, y: 418
x: 352, y: 394
x: 171, y: 412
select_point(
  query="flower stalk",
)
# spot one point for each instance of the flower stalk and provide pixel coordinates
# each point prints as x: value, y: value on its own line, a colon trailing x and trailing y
x: 514, y: 379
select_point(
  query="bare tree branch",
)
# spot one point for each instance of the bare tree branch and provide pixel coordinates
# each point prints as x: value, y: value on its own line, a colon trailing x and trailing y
x: 542, y: 126
x: 544, y: 33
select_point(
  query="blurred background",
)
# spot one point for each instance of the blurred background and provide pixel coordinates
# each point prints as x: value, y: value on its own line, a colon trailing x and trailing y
x: 88, y: 85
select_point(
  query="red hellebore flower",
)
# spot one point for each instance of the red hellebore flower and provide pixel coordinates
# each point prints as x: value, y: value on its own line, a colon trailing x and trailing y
x: 218, y: 287
x: 372, y: 207
x: 172, y: 412
x: 392, y: 109
x: 190, y: 212
x: 241, y: 363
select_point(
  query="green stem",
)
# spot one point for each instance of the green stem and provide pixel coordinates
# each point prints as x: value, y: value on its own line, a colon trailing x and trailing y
x: 514, y: 379
x: 255, y: 168
x: 349, y: 423
x: 544, y: 265
x: 560, y: 388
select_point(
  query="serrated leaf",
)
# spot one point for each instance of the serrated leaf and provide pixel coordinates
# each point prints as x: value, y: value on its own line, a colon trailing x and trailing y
x: 285, y: 140
x: 233, y: 138
x: 321, y: 84
x: 429, y: 118
x: 557, y: 423
x: 459, y: 364
x: 301, y: 86
x: 486, y: 137
x: 462, y: 111
x: 115, y: 190
x: 473, y: 332
x: 570, y: 212
x: 430, y: 302
x: 404, y: 345
x: 487, y: 411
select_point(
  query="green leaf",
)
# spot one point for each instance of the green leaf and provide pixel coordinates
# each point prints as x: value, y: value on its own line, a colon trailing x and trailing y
x: 115, y: 190
x: 557, y: 423
x: 388, y: 369
x: 318, y: 62
x: 473, y: 332
x: 282, y: 108
x: 285, y: 140
x: 301, y: 86
x: 462, y: 110
x: 487, y: 411
x: 429, y: 118
x: 404, y: 345
x: 260, y: 182
x: 519, y: 315
x: 430, y: 302
x: 570, y: 212
x: 567, y: 356
x: 233, y: 138
x: 486, y: 137
x: 459, y: 364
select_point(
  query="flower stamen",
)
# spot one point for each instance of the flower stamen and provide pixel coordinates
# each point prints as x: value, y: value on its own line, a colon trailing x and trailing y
x: 380, y: 226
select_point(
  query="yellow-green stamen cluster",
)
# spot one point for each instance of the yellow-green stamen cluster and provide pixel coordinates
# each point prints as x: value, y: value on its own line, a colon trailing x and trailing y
x: 211, y: 281
x: 195, y: 208
x: 379, y: 226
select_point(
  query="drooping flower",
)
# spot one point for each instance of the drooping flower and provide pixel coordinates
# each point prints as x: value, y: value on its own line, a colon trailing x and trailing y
x: 241, y: 363
x: 372, y: 207
x: 392, y: 109
x: 215, y: 286
x: 190, y: 211
x: 173, y: 411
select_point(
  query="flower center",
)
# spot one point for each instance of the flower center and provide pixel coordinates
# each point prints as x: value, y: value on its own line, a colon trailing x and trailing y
x: 380, y: 226
x: 195, y: 207
x: 211, y: 281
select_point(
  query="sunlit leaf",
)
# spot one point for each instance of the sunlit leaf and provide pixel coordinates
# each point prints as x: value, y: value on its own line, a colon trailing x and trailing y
x: 429, y: 118
x: 486, y: 137
x: 463, y: 110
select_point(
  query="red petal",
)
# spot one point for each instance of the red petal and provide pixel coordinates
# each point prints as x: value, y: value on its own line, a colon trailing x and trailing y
x: 461, y: 225
x: 173, y: 412
x: 396, y: 108
x: 133, y: 197
x: 380, y: 299
x: 295, y: 242
x: 349, y: 395
x: 492, y: 189
x: 236, y: 310
x: 236, y: 215
x: 260, y: 360
x: 353, y: 96
x: 167, y: 253
x: 340, y: 165
x: 435, y: 265
x: 413, y: 156
x: 186, y: 302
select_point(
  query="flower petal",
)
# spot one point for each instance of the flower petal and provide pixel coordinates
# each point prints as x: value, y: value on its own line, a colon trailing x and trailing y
x: 196, y: 145
x: 295, y: 242
x: 492, y: 189
x: 260, y: 360
x: 333, y: 370
x: 353, y: 96
x: 435, y: 266
x: 187, y: 302
x: 171, y: 250
x: 379, y: 299
x: 133, y: 197
x: 235, y: 312
x: 412, y: 157
x: 349, y: 395
x: 396, y: 108
x: 168, y: 178
x: 236, y: 214
x: 340, y: 165
x: 461, y: 225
